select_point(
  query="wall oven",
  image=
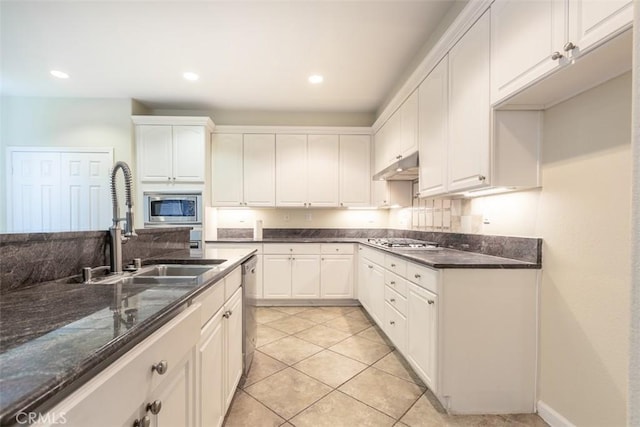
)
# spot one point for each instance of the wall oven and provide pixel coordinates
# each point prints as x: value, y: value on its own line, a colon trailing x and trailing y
x: 171, y: 209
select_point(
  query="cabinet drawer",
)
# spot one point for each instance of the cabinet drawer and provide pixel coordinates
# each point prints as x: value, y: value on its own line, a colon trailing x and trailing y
x: 395, y: 264
x: 395, y: 282
x: 211, y: 301
x: 336, y: 248
x: 423, y: 276
x: 232, y: 282
x: 118, y: 390
x: 372, y: 255
x: 395, y: 300
x: 395, y: 326
x: 235, y: 245
x: 292, y: 248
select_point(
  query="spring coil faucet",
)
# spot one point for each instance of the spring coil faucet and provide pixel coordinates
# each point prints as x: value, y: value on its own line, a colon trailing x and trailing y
x: 117, y: 238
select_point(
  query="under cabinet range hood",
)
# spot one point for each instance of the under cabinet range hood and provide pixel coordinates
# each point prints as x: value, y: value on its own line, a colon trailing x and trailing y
x: 404, y: 169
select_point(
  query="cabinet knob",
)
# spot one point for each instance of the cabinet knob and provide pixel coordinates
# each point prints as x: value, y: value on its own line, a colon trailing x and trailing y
x: 430, y: 301
x: 569, y: 46
x: 160, y: 367
x: 308, y: 204
x: 227, y: 314
x: 322, y: 259
x: 169, y: 178
x: 556, y: 55
x: 392, y: 283
x: 143, y: 422
x: 481, y: 177
x: 341, y: 204
x: 417, y: 276
x: 370, y: 266
x: 154, y: 407
x: 174, y: 178
x: 392, y: 300
x: 337, y: 249
x: 399, y: 156
x: 391, y: 322
x: 393, y: 265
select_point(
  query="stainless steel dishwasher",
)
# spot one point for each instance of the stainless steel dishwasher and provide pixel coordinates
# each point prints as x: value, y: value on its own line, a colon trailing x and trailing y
x: 249, y: 326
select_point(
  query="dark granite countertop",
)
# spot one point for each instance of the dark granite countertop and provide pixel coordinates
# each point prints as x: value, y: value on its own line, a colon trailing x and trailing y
x: 442, y: 258
x: 57, y: 335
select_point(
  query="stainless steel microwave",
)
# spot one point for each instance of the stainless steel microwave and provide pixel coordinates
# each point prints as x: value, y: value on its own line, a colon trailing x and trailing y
x: 172, y: 208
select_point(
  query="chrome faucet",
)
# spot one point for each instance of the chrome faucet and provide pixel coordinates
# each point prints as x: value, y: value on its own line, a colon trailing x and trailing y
x: 117, y: 237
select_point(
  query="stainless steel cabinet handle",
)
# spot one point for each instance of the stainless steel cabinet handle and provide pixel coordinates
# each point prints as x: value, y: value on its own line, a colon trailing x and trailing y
x: 154, y: 407
x: 417, y: 276
x: 160, y: 367
x: 556, y: 55
x: 227, y: 314
x: 481, y: 177
x: 143, y: 422
x: 430, y: 301
x: 569, y: 46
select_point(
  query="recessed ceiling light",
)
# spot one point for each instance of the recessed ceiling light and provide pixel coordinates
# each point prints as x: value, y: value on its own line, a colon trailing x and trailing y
x: 190, y: 76
x: 59, y: 74
x: 316, y: 79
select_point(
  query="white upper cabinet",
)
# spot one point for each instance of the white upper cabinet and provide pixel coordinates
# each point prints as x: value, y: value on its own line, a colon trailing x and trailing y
x: 355, y: 176
x: 307, y: 170
x: 409, y: 125
x: 227, y: 170
x: 398, y: 137
x: 259, y: 173
x: 323, y: 170
x: 469, y: 108
x: 189, y: 150
x: 243, y: 169
x: 530, y: 39
x: 433, y: 131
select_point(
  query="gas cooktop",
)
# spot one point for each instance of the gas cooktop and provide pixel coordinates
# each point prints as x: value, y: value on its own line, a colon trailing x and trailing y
x: 402, y: 243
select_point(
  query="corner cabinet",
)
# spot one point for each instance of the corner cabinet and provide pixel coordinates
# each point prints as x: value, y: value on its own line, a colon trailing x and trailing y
x: 172, y: 150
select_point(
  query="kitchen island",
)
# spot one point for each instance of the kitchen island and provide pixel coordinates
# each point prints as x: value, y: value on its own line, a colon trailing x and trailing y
x: 57, y: 335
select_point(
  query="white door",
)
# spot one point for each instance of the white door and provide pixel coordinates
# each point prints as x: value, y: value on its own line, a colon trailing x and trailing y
x: 422, y: 319
x: 211, y: 371
x: 524, y: 36
x: 376, y: 294
x: 336, y: 276
x: 593, y: 21
x: 364, y: 276
x: 291, y: 170
x: 226, y: 170
x: 355, y: 166
x: 84, y: 190
x: 259, y: 158
x: 469, y: 110
x: 323, y: 170
x: 409, y: 126
x: 176, y: 395
x: 155, y: 153
x: 433, y: 131
x: 393, y: 138
x: 276, y: 280
x: 33, y: 193
x: 305, y: 276
x: 188, y: 153
x: 233, y: 337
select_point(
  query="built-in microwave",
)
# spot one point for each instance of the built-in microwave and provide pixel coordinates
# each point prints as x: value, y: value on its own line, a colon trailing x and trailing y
x: 162, y: 208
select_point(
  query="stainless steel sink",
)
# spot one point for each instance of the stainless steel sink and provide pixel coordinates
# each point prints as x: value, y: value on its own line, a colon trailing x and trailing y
x: 174, y: 270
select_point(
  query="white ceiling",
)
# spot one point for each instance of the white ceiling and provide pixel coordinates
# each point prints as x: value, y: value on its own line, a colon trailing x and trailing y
x: 252, y: 55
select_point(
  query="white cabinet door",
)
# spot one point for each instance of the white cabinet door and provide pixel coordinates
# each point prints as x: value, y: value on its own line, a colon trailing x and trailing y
x: 276, y: 280
x: 355, y: 175
x: 291, y: 170
x: 233, y: 339
x: 176, y: 394
x: 524, y: 35
x: 211, y: 372
x: 381, y: 148
x: 259, y: 170
x: 336, y: 276
x: 322, y: 170
x: 365, y: 268
x: 409, y: 125
x: 188, y: 153
x: 305, y: 276
x: 395, y: 326
x: 155, y: 150
x: 376, y: 294
x: 433, y: 131
x: 393, y: 138
x: 469, y: 109
x: 593, y: 21
x: 422, y: 319
x: 226, y: 170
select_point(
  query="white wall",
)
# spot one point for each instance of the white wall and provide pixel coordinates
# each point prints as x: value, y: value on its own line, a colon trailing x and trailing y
x: 583, y: 213
x: 64, y: 122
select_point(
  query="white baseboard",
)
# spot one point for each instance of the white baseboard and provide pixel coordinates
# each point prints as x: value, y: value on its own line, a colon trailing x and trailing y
x: 552, y: 417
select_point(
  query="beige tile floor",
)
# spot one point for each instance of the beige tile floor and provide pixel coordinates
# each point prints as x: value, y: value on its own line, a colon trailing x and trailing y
x: 330, y: 366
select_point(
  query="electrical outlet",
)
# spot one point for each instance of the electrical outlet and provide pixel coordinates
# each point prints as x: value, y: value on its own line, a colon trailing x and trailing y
x: 286, y: 217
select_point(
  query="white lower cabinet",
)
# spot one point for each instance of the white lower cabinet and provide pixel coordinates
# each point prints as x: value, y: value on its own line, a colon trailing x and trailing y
x: 469, y: 334
x: 211, y: 402
x: 232, y: 332
x: 307, y: 271
x: 153, y: 384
